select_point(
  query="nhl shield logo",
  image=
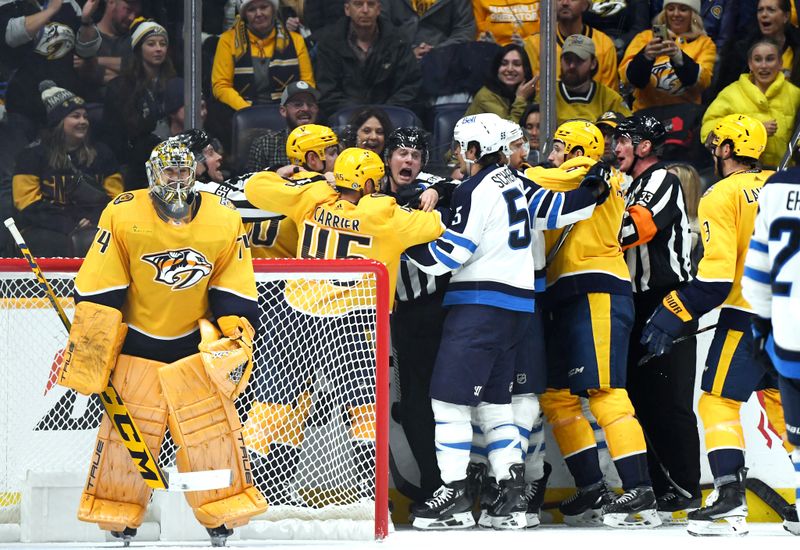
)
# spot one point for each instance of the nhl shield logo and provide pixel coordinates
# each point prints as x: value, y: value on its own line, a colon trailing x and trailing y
x: 179, y: 268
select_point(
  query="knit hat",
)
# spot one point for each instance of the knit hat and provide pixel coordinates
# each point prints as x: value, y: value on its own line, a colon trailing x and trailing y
x: 242, y: 4
x: 142, y: 29
x: 694, y: 4
x: 58, y: 102
x: 580, y: 45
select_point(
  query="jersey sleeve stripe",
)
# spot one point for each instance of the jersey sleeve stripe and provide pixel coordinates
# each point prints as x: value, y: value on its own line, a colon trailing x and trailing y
x: 555, y: 211
x: 758, y: 246
x: 460, y: 240
x: 757, y: 275
x: 442, y: 258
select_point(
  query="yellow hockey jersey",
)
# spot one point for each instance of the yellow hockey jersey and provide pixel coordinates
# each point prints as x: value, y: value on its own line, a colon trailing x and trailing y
x: 591, y: 259
x: 589, y: 106
x: 167, y: 270
x: 504, y: 20
x: 329, y: 227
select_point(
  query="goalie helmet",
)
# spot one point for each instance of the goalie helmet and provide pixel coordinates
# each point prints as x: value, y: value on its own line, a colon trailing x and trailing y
x: 306, y: 138
x: 170, y: 173
x: 355, y: 166
x: 583, y: 134
x: 748, y: 135
x: 488, y: 130
x: 410, y: 138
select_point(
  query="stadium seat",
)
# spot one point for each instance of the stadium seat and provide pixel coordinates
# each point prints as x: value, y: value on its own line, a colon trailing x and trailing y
x: 95, y: 114
x: 444, y: 120
x: 400, y: 116
x: 248, y: 124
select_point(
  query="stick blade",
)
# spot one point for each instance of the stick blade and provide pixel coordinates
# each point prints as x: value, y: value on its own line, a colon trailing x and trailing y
x: 206, y: 480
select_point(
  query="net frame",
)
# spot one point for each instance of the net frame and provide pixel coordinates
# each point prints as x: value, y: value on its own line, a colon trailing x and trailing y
x: 291, y: 268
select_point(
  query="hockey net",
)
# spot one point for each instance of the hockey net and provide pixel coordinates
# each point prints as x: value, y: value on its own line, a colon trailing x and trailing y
x: 315, y: 413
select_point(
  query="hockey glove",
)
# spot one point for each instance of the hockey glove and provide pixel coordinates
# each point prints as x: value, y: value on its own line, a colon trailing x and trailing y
x: 597, y: 179
x: 408, y: 195
x: 762, y: 328
x: 665, y: 324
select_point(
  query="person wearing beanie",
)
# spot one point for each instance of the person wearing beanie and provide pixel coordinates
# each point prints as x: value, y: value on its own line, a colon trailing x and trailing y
x: 62, y: 182
x: 673, y: 62
x: 134, y: 116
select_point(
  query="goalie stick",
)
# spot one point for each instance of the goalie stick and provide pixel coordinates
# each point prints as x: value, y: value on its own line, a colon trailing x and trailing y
x: 118, y: 413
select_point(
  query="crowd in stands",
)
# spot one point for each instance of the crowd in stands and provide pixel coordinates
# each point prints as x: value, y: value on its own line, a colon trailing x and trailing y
x: 91, y: 86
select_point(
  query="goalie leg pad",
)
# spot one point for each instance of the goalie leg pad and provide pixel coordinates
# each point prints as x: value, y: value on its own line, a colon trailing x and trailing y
x: 206, y: 426
x: 115, y: 495
x: 563, y: 411
x: 95, y: 340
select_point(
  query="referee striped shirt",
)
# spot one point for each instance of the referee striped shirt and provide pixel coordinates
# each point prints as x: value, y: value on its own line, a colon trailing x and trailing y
x: 655, y: 232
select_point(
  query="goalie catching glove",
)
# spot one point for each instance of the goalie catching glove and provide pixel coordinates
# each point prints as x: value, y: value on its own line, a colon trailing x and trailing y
x: 228, y: 360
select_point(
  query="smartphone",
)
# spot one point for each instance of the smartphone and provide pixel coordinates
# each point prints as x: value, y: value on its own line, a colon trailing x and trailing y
x: 660, y: 31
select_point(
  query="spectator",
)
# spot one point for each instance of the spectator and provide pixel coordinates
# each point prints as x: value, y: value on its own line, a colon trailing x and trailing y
x: 368, y: 129
x: 363, y: 60
x: 114, y: 29
x: 428, y: 24
x: 773, y: 23
x: 298, y: 107
x: 692, y: 191
x: 505, y: 21
x: 621, y: 20
x: 40, y: 43
x: 63, y: 181
x: 719, y: 18
x: 317, y: 14
x: 134, y: 119
x: 529, y: 121
x: 570, y: 21
x: 579, y: 96
x: 257, y: 58
x: 764, y: 94
x: 509, y: 87
x: 672, y: 70
x: 174, y: 107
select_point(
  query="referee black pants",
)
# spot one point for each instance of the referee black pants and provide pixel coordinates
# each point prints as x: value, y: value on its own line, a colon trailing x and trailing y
x: 662, y: 392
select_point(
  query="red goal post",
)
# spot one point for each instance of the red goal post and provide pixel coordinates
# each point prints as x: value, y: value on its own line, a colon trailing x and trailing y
x: 44, y: 429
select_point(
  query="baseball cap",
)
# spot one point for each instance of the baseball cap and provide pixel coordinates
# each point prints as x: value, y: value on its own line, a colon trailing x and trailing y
x: 580, y: 45
x: 299, y: 87
x: 610, y: 119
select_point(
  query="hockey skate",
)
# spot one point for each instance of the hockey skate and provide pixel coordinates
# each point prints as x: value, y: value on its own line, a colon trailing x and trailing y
x: 673, y: 508
x: 125, y: 535
x: 790, y: 521
x: 582, y: 509
x: 219, y: 535
x: 534, y: 495
x: 633, y: 509
x: 476, y: 477
x: 725, y: 511
x: 450, y: 507
x: 508, y: 509
x: 489, y: 493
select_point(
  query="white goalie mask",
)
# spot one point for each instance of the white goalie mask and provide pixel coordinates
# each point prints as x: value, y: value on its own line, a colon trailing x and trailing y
x: 170, y: 172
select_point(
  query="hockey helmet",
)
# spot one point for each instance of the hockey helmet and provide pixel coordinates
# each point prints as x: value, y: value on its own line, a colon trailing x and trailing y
x: 306, y: 138
x: 488, y: 130
x: 583, y: 134
x: 639, y: 128
x: 408, y: 137
x: 197, y: 139
x: 748, y: 135
x: 170, y: 173
x: 513, y: 132
x: 355, y: 166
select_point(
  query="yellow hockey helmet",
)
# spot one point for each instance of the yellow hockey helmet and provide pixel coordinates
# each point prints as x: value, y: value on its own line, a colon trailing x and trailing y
x: 306, y: 138
x: 748, y: 135
x: 355, y: 166
x: 583, y: 134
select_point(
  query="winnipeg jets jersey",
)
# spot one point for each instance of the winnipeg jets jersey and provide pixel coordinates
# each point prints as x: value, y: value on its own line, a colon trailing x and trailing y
x: 771, y: 282
x: 487, y: 244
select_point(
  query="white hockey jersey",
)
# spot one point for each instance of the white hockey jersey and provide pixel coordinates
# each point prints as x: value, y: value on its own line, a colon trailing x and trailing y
x: 488, y: 240
x: 771, y: 282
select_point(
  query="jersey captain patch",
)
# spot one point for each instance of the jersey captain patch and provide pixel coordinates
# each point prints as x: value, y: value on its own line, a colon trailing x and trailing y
x: 179, y: 269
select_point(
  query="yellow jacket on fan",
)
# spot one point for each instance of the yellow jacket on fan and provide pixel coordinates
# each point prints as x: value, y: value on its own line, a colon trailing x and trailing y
x: 502, y: 19
x: 591, y: 259
x: 780, y: 103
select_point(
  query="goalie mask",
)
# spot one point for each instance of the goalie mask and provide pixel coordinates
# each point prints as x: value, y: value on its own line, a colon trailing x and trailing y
x: 170, y: 172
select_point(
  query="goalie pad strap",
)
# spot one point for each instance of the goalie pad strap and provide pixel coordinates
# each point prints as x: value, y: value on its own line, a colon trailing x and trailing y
x: 95, y: 340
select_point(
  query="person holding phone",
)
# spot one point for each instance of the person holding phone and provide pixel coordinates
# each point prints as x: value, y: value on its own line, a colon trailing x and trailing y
x: 673, y: 62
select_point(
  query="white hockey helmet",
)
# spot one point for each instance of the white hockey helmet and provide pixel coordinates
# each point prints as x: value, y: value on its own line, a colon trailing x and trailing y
x: 488, y: 130
x: 513, y: 132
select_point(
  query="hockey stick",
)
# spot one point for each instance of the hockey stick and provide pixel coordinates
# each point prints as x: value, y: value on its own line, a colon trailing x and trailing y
x: 649, y: 356
x: 770, y: 496
x: 118, y: 412
x: 663, y: 468
x: 558, y: 245
x: 790, y: 148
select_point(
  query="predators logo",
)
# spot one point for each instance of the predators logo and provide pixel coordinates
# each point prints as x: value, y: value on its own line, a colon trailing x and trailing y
x: 666, y: 79
x: 55, y: 41
x: 179, y: 268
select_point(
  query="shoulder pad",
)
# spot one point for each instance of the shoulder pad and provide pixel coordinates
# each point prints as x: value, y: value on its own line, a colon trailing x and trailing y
x: 123, y: 197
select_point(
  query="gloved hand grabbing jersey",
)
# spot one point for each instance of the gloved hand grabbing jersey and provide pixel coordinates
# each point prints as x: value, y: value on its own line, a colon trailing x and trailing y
x: 228, y: 360
x: 598, y: 180
x: 665, y: 324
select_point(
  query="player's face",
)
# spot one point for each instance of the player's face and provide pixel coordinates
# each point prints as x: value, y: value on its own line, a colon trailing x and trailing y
x: 532, y: 129
x: 154, y: 51
x: 363, y: 13
x: 213, y: 162
x: 259, y: 16
x: 76, y: 126
x: 519, y: 152
x: 625, y: 151
x: 511, y: 72
x: 679, y: 17
x: 771, y: 18
x: 608, y: 145
x: 557, y: 155
x: 574, y: 70
x: 405, y: 165
x: 765, y: 63
x: 300, y: 109
x: 330, y: 156
x: 370, y: 135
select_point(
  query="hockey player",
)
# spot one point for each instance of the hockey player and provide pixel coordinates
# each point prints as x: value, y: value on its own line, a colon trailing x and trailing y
x: 727, y: 215
x: 589, y: 306
x: 162, y: 259
x: 771, y: 271
x: 487, y: 245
